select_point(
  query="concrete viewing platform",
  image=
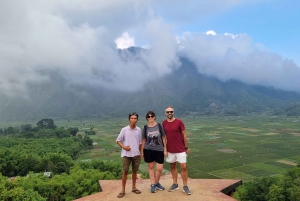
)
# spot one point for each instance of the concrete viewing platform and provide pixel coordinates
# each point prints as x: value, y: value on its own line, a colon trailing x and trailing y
x: 202, y: 190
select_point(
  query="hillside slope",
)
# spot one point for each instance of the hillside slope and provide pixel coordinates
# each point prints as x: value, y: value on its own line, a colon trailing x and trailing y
x: 185, y: 89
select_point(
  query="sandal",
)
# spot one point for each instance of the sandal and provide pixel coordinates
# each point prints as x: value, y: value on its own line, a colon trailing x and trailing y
x: 121, y: 195
x: 136, y: 191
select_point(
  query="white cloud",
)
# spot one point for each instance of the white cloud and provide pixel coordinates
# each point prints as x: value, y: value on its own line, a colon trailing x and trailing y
x: 78, y: 38
x: 125, y: 41
x: 211, y: 32
x: 226, y: 57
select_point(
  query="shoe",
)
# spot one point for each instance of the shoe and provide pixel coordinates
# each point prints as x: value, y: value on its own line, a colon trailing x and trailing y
x: 186, y: 190
x: 159, y: 187
x: 174, y: 187
x: 153, y: 189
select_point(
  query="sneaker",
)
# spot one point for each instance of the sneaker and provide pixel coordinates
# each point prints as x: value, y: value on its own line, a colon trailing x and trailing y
x: 186, y: 190
x: 153, y: 189
x: 159, y: 187
x: 174, y: 187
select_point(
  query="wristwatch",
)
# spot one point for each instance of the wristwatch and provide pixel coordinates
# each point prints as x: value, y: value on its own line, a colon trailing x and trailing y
x: 186, y: 148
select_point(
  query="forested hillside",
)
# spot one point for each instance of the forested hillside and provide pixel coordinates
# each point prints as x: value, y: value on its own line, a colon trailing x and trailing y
x: 289, y: 110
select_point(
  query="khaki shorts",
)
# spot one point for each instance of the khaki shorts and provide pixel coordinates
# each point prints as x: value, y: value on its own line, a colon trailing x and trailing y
x: 136, y: 160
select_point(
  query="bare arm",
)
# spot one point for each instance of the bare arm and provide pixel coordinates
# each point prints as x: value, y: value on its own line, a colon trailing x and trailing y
x: 185, y: 141
x: 127, y: 148
x: 165, y: 145
x: 142, y: 147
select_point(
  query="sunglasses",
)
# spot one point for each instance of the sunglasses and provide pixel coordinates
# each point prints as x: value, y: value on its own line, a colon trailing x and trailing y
x: 169, y: 112
x: 150, y: 116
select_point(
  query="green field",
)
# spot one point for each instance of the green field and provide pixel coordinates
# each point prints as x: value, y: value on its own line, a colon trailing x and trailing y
x: 221, y: 147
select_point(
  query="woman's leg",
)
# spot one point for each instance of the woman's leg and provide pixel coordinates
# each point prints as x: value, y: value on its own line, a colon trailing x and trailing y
x: 151, y: 172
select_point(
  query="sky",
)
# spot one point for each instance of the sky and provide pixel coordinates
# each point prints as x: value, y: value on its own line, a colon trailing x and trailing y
x: 253, y: 41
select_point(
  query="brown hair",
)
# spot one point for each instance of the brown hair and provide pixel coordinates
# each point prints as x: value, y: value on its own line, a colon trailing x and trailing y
x: 152, y: 113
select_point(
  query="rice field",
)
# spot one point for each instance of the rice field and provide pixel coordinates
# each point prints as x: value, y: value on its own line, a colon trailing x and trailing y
x: 242, y: 147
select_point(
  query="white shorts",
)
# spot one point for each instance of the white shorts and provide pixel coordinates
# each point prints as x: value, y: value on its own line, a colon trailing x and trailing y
x: 179, y: 157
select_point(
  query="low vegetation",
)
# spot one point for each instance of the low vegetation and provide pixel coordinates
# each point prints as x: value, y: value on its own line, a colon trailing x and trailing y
x: 257, y: 149
x: 40, y: 162
x: 284, y: 187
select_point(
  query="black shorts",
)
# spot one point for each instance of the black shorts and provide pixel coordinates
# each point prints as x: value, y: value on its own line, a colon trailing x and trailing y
x: 152, y: 155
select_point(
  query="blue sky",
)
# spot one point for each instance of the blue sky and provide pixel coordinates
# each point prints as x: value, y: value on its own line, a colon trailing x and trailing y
x: 275, y: 25
x: 253, y: 41
x: 272, y: 23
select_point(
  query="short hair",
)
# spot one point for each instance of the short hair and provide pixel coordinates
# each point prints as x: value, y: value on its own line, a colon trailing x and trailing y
x: 133, y: 114
x: 150, y: 112
x: 169, y: 107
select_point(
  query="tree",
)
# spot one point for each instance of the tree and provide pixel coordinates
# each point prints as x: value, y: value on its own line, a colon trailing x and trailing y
x: 258, y: 189
x: 58, y: 163
x: 26, y: 128
x: 87, y: 141
x: 294, y: 191
x: 9, y: 130
x: 73, y: 130
x: 276, y: 193
x: 46, y: 123
x: 276, y: 188
x: 62, y: 133
x: 12, y: 191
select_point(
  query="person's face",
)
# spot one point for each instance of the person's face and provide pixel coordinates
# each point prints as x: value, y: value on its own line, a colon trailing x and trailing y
x: 133, y: 120
x: 169, y: 113
x: 151, y: 118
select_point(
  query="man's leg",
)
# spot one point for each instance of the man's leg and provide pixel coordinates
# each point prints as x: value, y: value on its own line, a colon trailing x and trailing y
x: 171, y: 158
x: 184, y: 173
x: 135, y: 167
x: 134, y: 176
x: 124, y: 179
x: 174, y: 172
x: 126, y: 164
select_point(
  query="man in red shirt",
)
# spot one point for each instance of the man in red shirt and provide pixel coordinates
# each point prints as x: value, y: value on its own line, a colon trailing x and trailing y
x: 177, y: 147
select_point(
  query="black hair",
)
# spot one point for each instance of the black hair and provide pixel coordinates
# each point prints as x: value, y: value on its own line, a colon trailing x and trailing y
x: 150, y: 112
x: 133, y: 114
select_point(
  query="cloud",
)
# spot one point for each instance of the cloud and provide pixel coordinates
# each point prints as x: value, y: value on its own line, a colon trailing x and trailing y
x: 125, y: 41
x: 228, y: 56
x: 78, y: 39
x: 211, y: 32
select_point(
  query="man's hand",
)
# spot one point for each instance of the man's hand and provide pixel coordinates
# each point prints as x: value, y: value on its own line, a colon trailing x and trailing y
x: 188, y: 151
x: 127, y: 148
x: 165, y: 153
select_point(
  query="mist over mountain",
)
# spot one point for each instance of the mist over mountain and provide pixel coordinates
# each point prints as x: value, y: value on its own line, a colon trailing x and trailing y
x: 71, y: 59
x: 184, y: 88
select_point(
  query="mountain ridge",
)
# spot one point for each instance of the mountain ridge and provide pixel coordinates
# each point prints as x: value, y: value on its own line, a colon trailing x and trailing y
x: 184, y: 88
